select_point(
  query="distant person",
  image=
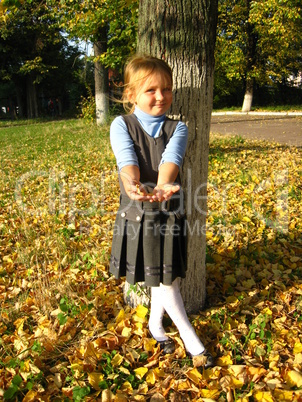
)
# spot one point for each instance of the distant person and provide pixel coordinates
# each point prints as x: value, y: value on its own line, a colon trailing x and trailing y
x: 58, y: 107
x: 51, y: 107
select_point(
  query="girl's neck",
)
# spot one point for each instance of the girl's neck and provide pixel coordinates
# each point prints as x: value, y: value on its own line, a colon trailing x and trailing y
x: 148, y: 117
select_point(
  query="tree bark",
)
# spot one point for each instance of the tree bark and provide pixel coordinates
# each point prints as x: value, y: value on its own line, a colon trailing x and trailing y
x: 248, y: 96
x: 31, y: 98
x: 250, y: 61
x: 183, y: 33
x: 12, y: 108
x: 101, y: 80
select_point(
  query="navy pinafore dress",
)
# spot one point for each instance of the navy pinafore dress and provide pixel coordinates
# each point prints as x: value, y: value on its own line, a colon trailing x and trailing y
x: 149, y: 239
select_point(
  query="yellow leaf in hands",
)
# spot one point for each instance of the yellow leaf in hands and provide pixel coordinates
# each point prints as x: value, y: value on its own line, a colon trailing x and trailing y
x: 139, y: 191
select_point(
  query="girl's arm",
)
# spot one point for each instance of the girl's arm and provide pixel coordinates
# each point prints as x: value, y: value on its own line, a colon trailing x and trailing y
x: 123, y: 149
x: 171, y: 160
x: 122, y: 144
x: 176, y: 147
x: 165, y: 183
x: 167, y: 173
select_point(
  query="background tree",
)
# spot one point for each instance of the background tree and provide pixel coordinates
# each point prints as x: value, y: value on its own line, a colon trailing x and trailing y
x: 257, y: 43
x: 36, y: 58
x: 111, y: 28
x: 183, y: 33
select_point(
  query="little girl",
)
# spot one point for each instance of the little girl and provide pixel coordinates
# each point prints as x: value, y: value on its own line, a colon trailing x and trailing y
x: 149, y: 233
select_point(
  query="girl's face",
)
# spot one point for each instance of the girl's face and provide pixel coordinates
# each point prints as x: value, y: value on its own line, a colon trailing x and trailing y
x: 154, y: 96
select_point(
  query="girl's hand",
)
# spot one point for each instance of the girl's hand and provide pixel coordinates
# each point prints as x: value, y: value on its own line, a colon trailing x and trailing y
x: 136, y: 191
x: 130, y: 176
x: 164, y: 192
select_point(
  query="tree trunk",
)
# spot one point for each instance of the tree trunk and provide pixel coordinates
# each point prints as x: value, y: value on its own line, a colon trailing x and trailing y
x: 183, y: 33
x: 101, y: 81
x: 250, y: 61
x: 31, y: 98
x: 12, y: 108
x: 248, y: 96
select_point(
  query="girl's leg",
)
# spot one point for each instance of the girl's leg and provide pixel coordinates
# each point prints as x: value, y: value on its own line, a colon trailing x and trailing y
x: 171, y: 300
x: 156, y: 315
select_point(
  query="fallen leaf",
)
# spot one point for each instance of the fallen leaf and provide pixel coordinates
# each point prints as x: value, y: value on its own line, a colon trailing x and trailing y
x: 140, y: 372
x: 294, y: 378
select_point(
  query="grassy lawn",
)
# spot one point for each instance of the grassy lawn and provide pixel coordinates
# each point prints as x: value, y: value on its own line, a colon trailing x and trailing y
x: 65, y: 331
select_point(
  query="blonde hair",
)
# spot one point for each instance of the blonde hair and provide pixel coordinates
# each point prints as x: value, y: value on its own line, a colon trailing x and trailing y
x: 137, y: 70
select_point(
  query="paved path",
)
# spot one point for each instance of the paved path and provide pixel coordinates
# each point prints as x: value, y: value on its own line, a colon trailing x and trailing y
x: 283, y: 128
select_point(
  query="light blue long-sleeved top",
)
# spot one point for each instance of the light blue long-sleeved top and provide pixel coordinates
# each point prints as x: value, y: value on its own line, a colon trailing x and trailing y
x: 123, y: 147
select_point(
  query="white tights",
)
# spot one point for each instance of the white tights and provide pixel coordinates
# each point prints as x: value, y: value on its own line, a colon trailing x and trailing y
x: 168, y: 298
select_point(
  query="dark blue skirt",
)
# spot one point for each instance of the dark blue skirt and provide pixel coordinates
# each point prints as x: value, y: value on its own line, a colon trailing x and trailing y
x: 149, y: 242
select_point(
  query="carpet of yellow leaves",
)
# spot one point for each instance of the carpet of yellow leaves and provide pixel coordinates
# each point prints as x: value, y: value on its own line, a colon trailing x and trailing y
x: 66, y: 333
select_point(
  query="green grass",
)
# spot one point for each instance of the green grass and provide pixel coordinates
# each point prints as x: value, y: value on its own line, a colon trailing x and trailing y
x: 58, y: 197
x: 53, y: 194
